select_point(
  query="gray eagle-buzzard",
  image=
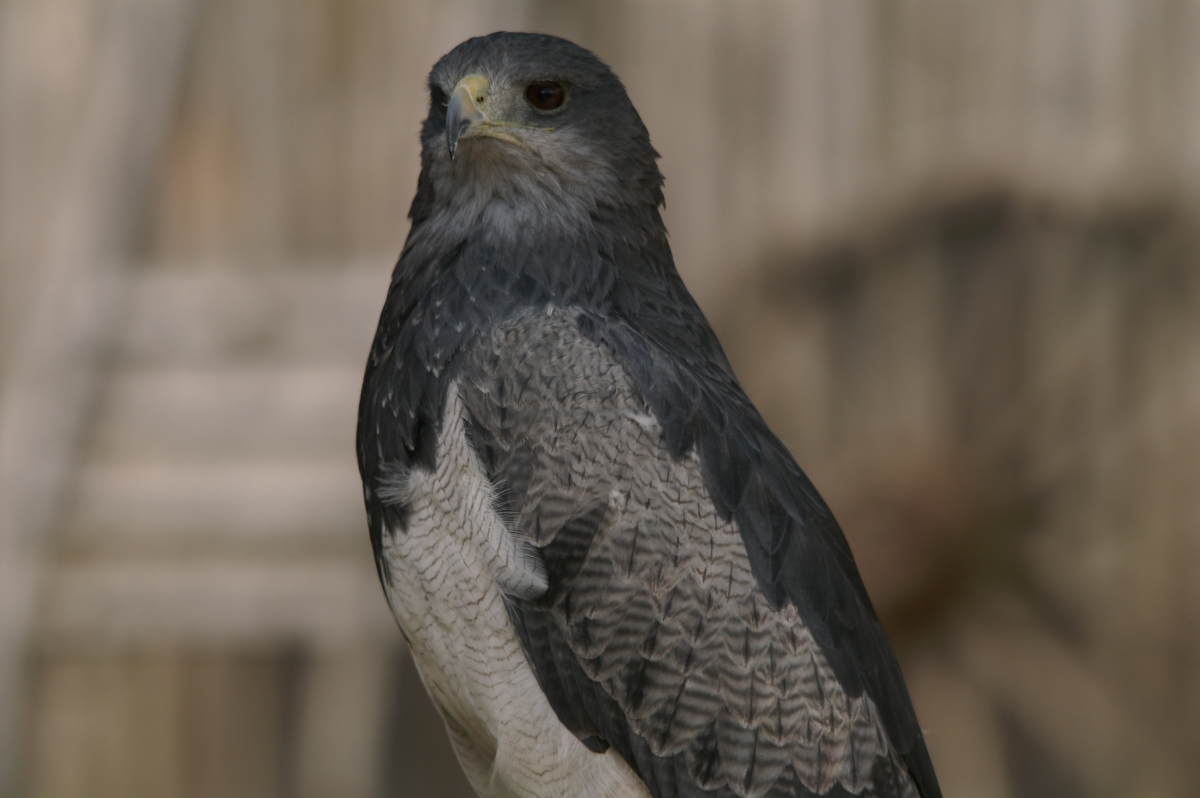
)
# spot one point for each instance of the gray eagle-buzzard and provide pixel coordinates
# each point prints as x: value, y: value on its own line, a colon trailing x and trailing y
x: 613, y: 578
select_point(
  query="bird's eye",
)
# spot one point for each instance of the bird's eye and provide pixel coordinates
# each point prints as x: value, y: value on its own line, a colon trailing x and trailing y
x: 545, y: 96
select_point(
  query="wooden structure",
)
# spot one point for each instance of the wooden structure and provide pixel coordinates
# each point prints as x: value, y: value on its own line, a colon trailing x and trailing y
x: 199, y: 204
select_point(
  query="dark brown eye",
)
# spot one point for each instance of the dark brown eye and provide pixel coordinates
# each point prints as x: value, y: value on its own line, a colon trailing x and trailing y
x: 545, y: 96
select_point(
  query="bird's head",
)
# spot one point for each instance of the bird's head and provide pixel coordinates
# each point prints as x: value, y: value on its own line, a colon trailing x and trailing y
x: 527, y: 129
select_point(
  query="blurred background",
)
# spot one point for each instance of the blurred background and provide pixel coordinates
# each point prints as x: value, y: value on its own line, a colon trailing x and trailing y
x: 951, y: 249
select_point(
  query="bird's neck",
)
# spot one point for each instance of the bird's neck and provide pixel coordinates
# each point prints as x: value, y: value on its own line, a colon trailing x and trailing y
x: 528, y: 250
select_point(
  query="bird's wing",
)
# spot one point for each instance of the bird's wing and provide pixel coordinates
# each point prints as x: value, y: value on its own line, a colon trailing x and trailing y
x: 654, y: 634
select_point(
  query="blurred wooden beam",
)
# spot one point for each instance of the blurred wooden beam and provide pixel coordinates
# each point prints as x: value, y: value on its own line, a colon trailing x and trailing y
x: 51, y: 373
x: 161, y: 507
x: 323, y: 603
x: 312, y: 313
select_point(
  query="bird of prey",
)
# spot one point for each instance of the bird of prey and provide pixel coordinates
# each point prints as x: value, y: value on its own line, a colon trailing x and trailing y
x: 614, y: 579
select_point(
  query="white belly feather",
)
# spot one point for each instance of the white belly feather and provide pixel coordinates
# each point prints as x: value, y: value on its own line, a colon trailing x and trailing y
x: 449, y: 572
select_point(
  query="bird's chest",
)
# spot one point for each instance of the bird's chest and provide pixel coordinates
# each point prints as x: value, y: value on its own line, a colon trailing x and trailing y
x: 449, y: 573
x: 447, y: 601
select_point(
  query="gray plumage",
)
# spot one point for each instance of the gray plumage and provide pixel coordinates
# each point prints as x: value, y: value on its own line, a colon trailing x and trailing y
x: 680, y: 593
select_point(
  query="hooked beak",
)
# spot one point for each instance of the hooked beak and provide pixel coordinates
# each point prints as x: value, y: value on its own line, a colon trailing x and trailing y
x: 463, y: 115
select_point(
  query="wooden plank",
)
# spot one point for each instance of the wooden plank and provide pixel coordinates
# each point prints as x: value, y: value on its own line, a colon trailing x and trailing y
x: 342, y: 716
x: 284, y: 508
x: 225, y: 414
x: 92, y: 713
x: 326, y: 604
x: 162, y: 723
x: 315, y: 314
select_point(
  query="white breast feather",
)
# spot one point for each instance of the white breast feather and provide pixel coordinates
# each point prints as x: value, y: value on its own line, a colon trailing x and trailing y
x: 450, y: 572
